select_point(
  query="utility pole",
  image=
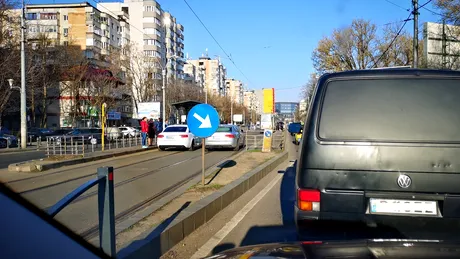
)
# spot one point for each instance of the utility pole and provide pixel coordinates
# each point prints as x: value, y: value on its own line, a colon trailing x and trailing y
x: 444, y: 44
x: 23, y: 79
x: 231, y: 108
x: 415, y: 41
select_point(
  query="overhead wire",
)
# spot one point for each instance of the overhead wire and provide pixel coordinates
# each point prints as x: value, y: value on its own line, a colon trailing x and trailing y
x: 392, y: 41
x: 395, y: 4
x: 217, y: 42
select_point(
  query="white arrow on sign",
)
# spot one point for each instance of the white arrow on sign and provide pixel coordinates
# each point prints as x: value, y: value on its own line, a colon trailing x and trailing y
x: 205, y: 123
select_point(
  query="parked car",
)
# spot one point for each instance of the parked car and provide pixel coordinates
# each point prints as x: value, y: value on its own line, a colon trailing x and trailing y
x: 226, y: 136
x: 129, y: 131
x: 381, y: 147
x: 33, y: 134
x: 79, y: 136
x: 7, y: 140
x: 113, y: 133
x: 177, y: 136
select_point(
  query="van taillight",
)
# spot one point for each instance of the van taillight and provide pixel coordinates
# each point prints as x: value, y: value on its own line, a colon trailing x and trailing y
x: 308, y: 200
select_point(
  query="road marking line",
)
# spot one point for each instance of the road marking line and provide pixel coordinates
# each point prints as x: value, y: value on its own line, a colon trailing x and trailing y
x: 207, y: 248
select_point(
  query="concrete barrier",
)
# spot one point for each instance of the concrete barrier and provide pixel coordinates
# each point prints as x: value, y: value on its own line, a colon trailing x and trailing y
x: 155, y: 242
x: 38, y: 166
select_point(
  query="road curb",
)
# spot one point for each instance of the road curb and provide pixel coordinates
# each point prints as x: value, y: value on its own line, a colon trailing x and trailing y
x: 28, y: 167
x: 156, y: 242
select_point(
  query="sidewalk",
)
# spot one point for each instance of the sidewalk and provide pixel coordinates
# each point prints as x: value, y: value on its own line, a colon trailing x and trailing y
x: 46, y: 164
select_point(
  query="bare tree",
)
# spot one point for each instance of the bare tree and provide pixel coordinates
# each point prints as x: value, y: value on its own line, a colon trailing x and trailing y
x: 142, y: 73
x: 350, y: 48
x: 450, y: 10
x: 9, y: 53
x: 396, y: 49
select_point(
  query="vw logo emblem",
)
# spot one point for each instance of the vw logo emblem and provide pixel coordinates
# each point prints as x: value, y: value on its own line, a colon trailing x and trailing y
x: 404, y: 181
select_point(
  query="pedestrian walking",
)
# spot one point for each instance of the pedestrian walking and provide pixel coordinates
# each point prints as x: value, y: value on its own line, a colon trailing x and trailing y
x: 151, y: 132
x: 144, y: 132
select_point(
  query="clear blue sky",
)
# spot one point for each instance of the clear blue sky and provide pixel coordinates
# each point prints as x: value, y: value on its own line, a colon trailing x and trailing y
x: 272, y: 41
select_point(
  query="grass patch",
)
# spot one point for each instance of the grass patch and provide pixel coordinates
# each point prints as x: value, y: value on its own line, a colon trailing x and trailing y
x: 209, y: 187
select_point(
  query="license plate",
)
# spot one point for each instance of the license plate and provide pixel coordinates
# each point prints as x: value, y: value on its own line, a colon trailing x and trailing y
x: 389, y: 206
x: 169, y: 137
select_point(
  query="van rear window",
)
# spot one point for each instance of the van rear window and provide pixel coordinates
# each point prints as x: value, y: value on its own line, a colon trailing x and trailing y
x: 402, y: 110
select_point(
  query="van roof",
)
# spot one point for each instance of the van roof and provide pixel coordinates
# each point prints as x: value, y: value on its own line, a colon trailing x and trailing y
x: 394, y: 72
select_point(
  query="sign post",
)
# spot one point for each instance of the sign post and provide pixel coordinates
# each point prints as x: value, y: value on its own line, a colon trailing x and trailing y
x: 203, y: 121
x: 104, y: 105
x: 267, y: 144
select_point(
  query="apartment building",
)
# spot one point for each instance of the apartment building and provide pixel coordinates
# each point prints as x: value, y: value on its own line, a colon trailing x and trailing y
x: 213, y: 72
x: 97, y: 34
x: 80, y: 24
x: 250, y: 100
x: 156, y: 33
x: 234, y: 89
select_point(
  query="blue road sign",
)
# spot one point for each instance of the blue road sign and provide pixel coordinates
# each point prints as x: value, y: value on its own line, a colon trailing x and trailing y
x: 203, y: 120
x: 268, y: 133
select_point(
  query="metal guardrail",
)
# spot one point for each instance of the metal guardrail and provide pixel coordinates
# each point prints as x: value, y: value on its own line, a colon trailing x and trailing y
x: 80, y: 145
x: 106, y: 207
x: 255, y: 142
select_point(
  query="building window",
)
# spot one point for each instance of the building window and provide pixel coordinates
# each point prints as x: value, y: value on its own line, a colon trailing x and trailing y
x: 148, y: 19
x: 157, y: 21
x: 152, y: 53
x: 31, y: 16
x: 158, y: 11
x: 66, y: 31
x: 66, y: 43
x: 48, y: 16
x: 149, y: 30
x: 66, y: 17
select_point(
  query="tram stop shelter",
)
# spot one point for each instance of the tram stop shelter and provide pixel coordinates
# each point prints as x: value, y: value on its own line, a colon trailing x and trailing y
x: 179, y: 109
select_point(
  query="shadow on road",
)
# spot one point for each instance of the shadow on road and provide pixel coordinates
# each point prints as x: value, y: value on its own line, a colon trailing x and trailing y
x: 150, y: 246
x: 226, y: 164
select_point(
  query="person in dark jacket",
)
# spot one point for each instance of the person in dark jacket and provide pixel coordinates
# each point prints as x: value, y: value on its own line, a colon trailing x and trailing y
x: 151, y: 132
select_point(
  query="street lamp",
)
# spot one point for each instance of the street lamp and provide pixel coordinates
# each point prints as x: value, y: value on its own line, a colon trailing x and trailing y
x: 166, y: 23
x: 23, y: 112
x: 10, y: 82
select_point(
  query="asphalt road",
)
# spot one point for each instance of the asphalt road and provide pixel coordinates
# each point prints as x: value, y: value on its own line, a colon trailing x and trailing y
x: 137, y: 177
x: 7, y: 158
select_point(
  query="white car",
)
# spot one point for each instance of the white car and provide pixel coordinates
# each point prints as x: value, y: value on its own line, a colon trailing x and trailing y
x: 226, y: 136
x: 177, y: 136
x: 129, y: 131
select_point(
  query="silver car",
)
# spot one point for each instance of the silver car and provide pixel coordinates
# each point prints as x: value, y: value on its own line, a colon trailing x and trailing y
x: 226, y: 136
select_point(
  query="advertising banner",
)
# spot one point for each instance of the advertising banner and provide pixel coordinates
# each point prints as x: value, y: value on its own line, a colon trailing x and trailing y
x: 238, y: 117
x: 269, y: 100
x: 266, y: 121
x: 149, y: 110
x: 113, y: 115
